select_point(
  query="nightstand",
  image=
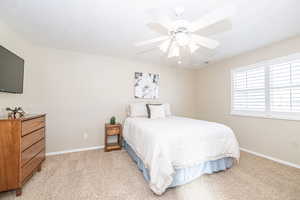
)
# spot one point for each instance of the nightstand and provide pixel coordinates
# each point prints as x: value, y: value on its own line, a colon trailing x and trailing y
x: 113, y: 130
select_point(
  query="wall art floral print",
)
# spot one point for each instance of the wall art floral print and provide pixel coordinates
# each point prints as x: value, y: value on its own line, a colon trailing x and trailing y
x: 146, y: 85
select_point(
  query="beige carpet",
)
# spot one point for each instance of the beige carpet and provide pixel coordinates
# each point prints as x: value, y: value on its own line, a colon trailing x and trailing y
x: 106, y: 176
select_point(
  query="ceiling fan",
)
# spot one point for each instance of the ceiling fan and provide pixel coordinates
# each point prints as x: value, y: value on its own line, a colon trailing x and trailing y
x: 181, y: 35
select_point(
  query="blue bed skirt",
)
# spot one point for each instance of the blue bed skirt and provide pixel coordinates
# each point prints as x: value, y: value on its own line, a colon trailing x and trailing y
x: 185, y: 175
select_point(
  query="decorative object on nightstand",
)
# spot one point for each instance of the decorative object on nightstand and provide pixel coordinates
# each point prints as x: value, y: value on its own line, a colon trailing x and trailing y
x: 113, y: 130
x: 113, y: 120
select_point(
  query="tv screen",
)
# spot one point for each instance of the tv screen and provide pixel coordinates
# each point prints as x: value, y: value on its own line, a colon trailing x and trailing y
x: 11, y: 72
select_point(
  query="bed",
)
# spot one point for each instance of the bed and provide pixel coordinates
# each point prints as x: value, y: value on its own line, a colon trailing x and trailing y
x: 175, y: 150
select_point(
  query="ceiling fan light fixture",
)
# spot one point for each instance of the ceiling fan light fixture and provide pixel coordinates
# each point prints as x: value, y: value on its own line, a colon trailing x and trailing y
x: 174, y: 51
x: 182, y: 38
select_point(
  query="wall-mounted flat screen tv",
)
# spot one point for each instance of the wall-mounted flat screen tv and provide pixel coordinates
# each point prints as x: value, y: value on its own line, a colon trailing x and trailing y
x: 11, y: 72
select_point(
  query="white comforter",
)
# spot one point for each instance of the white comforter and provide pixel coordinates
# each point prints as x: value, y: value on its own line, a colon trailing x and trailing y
x: 176, y: 142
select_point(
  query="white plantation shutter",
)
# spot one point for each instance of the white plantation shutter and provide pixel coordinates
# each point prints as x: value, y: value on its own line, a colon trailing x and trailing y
x: 268, y: 89
x: 295, y: 83
x: 285, y: 87
x: 249, y: 90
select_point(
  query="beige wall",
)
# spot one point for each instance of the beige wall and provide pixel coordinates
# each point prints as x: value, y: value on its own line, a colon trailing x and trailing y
x: 276, y: 138
x: 79, y: 92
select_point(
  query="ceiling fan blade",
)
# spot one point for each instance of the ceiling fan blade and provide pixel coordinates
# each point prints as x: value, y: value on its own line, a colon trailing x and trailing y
x: 213, y: 17
x: 159, y: 27
x: 165, y: 45
x: 205, y: 42
x: 146, y: 51
x: 219, y: 27
x: 146, y: 42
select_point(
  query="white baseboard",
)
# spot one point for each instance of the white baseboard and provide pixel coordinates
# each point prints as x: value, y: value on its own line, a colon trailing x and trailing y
x: 271, y: 158
x: 74, y: 150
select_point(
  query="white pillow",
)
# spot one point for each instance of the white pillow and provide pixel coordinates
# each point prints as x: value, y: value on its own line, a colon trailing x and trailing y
x: 138, y: 110
x: 157, y: 112
x: 167, y: 109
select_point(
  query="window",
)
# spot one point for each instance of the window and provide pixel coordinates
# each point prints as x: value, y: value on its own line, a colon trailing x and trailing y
x: 268, y: 89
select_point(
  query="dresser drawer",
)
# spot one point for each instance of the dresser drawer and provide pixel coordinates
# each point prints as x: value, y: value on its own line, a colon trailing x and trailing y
x: 27, y: 169
x: 32, y: 138
x: 113, y: 131
x: 32, y: 125
x: 32, y: 151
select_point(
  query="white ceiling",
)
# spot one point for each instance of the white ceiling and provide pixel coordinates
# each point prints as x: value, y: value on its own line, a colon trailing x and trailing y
x: 111, y: 27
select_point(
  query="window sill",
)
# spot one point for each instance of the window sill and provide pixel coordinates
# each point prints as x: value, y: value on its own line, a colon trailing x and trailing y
x: 266, y: 116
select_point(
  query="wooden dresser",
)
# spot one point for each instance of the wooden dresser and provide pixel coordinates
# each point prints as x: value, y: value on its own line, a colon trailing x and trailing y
x: 22, y: 150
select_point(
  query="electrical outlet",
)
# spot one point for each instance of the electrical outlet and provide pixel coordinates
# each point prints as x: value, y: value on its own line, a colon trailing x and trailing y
x: 85, y: 135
